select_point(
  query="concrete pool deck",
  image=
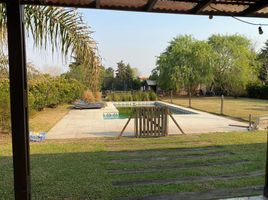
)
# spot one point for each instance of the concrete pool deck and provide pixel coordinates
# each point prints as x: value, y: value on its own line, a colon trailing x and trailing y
x: 90, y: 123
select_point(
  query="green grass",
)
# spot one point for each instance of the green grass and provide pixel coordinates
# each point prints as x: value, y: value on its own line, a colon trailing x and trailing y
x: 90, y: 168
x: 239, y: 108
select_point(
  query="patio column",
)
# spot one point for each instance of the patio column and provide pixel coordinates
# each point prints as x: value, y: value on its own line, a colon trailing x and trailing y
x: 18, y: 100
x: 265, y: 191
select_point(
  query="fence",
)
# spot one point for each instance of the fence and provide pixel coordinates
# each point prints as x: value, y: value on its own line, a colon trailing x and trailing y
x: 151, y: 121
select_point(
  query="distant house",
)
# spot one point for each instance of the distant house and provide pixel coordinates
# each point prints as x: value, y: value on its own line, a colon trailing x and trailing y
x: 149, y: 85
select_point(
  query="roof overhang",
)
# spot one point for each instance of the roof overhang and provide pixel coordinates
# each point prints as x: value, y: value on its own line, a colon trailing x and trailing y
x: 243, y: 8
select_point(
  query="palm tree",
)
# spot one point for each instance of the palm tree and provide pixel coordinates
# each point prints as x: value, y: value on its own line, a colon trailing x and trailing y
x: 63, y: 29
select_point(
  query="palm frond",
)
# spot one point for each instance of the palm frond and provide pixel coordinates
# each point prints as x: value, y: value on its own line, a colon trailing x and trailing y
x: 63, y: 29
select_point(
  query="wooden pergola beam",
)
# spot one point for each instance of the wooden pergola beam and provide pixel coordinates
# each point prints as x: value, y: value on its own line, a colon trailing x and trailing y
x: 201, y: 6
x: 150, y: 5
x: 18, y: 100
x: 255, y: 7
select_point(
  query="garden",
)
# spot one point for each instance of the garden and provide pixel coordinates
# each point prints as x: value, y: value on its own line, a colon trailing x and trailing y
x: 192, y: 166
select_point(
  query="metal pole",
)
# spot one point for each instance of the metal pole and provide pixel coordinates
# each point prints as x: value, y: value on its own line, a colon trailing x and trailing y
x: 18, y: 100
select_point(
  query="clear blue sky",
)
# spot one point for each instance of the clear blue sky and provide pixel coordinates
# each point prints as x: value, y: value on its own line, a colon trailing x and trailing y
x: 138, y: 38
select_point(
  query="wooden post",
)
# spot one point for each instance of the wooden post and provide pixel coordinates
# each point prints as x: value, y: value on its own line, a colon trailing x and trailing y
x: 121, y: 133
x: 171, y: 96
x: 176, y: 123
x: 190, y: 99
x: 18, y: 100
x: 222, y: 99
x: 249, y: 121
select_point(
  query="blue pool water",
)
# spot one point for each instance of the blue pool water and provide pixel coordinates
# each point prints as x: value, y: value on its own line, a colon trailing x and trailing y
x: 125, y: 110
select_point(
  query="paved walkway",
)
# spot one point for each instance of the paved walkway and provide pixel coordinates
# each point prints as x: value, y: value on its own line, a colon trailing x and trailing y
x: 90, y: 123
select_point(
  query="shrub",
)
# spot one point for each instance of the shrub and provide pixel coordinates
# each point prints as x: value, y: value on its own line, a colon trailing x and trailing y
x: 135, y: 96
x: 98, y: 96
x: 4, y: 106
x: 145, y: 96
x: 257, y: 91
x: 44, y: 91
x: 152, y: 96
x: 50, y: 91
x: 88, y: 96
x: 126, y: 97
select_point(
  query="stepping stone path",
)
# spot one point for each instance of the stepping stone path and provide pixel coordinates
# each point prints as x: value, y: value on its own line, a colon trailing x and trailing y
x: 178, y: 160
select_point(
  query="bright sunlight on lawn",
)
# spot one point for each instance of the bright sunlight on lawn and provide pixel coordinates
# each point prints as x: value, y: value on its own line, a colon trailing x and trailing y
x: 44, y: 120
x: 111, y: 168
x: 239, y: 108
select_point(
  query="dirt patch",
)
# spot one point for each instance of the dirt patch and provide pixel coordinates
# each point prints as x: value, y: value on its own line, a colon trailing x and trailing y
x: 176, y: 157
x: 213, y: 194
x: 189, y: 179
x: 171, y: 150
x: 176, y: 167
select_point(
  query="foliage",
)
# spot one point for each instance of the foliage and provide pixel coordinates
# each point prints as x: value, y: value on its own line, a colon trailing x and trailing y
x: 132, y: 96
x: 154, y: 74
x: 126, y: 78
x: 109, y: 72
x: 263, y: 58
x: 88, y: 96
x: 49, y: 91
x: 224, y: 64
x: 62, y: 28
x: 44, y: 91
x: 185, y: 63
x: 98, y: 96
x: 235, y: 63
x: 4, y: 105
x: 152, y: 96
x: 259, y: 91
x: 107, y: 78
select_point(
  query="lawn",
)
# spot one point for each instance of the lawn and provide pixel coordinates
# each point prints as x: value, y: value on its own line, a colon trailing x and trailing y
x: 239, y: 108
x: 183, y: 167
x: 47, y: 118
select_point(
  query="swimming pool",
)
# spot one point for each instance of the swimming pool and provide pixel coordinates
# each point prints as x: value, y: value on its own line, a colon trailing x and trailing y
x: 124, y: 109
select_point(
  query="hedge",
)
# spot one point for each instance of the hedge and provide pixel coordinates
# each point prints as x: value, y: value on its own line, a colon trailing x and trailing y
x: 4, y: 106
x: 258, y: 91
x: 49, y: 92
x: 44, y: 91
x: 132, y: 96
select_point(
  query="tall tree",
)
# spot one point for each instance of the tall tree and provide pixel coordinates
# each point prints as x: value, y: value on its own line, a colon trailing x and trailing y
x: 234, y: 63
x: 154, y: 74
x: 121, y: 71
x: 109, y: 72
x: 108, y: 79
x: 263, y: 58
x: 185, y: 64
